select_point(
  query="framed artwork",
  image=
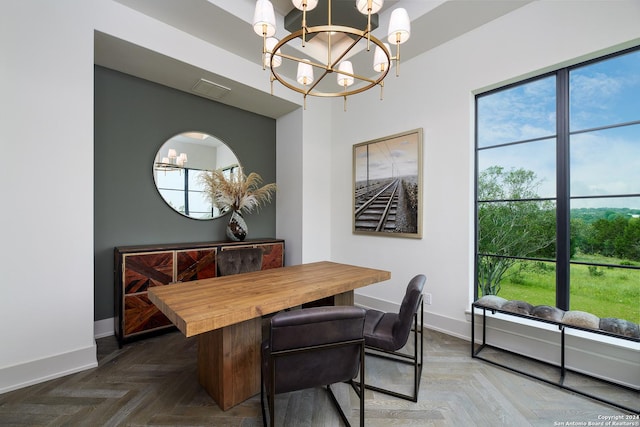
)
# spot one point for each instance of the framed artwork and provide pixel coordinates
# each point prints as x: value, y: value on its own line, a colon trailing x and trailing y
x: 387, y: 186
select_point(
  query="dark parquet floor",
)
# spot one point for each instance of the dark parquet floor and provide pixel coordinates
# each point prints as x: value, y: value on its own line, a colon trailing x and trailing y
x: 153, y: 383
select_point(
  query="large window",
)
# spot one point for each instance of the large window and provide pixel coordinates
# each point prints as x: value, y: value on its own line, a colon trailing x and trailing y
x: 558, y: 189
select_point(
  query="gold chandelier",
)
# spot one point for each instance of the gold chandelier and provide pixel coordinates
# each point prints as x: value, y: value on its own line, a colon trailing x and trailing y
x: 337, y: 62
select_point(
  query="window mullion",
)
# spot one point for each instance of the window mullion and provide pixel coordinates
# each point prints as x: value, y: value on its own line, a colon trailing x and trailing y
x: 186, y: 191
x: 563, y: 243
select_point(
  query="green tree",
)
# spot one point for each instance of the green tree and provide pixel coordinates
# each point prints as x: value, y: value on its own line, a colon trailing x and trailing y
x: 606, y: 236
x: 579, y: 233
x: 510, y: 224
x: 632, y: 240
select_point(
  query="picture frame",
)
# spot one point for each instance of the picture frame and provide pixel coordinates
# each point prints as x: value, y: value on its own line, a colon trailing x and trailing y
x: 387, y: 186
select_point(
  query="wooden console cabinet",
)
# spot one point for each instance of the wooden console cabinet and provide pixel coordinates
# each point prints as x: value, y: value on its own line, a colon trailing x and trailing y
x: 137, y: 268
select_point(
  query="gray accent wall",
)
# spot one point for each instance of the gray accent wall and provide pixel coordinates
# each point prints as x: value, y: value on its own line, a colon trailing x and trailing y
x: 132, y: 119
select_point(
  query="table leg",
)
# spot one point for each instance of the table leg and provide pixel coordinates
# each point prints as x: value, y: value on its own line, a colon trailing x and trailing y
x: 229, y: 359
x: 229, y: 362
x: 345, y: 298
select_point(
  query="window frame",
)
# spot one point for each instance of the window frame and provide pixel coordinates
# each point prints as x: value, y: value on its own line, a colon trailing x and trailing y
x: 563, y: 197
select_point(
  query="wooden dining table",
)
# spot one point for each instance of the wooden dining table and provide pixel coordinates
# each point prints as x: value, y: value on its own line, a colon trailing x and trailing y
x: 226, y: 315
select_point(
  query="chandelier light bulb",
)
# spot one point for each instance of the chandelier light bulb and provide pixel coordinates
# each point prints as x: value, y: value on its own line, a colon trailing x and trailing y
x: 343, y: 79
x: 277, y: 59
x: 381, y: 61
x: 363, y: 6
x: 399, y: 26
x: 305, y: 73
x: 264, y: 19
x: 299, y: 4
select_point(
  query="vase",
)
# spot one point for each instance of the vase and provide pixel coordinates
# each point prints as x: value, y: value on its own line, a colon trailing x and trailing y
x: 236, y: 228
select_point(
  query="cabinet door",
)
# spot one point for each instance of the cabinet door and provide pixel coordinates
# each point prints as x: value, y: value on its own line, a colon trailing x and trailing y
x: 195, y: 264
x: 144, y: 270
x: 273, y: 255
x: 141, y: 271
x: 141, y: 315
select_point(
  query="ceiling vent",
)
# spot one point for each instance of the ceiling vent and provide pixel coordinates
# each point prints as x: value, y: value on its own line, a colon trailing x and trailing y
x: 209, y: 89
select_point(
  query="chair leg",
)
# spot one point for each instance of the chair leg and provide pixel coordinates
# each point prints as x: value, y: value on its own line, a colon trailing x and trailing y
x: 362, y: 381
x: 339, y: 408
x: 264, y: 415
x: 337, y: 405
x: 272, y: 405
x: 270, y: 402
x: 358, y: 390
x: 416, y: 360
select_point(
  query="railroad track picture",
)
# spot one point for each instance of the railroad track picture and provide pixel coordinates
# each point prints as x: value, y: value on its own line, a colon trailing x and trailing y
x: 387, y: 186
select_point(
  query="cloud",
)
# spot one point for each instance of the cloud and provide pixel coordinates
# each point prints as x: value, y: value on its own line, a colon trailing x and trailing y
x: 519, y: 113
x: 598, y: 165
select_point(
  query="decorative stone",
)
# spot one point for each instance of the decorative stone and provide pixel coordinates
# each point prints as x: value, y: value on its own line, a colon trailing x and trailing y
x: 515, y: 306
x: 620, y: 327
x: 491, y: 301
x: 581, y: 319
x: 548, y: 313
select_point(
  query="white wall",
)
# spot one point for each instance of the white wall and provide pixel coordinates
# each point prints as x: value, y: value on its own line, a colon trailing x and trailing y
x: 289, y: 172
x: 46, y: 123
x: 304, y: 182
x: 316, y: 176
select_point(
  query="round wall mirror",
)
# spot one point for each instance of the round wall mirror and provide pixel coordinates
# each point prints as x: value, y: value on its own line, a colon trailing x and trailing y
x: 177, y: 168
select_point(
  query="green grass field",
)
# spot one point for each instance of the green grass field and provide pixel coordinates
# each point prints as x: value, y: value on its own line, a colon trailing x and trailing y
x: 603, y: 291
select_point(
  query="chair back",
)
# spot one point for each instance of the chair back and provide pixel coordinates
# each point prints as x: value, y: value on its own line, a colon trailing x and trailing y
x: 409, y: 306
x: 235, y: 261
x: 313, y: 347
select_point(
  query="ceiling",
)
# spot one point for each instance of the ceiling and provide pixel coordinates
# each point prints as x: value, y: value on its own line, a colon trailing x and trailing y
x: 227, y: 25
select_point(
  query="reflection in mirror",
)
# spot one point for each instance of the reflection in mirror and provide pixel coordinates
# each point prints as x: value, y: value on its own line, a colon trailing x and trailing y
x: 177, y: 168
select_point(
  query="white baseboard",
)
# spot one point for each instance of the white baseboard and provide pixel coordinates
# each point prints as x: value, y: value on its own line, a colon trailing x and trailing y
x: 457, y: 328
x: 611, y: 359
x: 37, y: 371
x: 34, y: 372
x: 103, y: 328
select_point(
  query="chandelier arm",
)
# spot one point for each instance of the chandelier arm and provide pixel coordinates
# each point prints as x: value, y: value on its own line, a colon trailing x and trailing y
x: 357, y: 76
x: 347, y: 50
x: 397, y: 58
x: 329, y: 67
x: 296, y: 59
x: 318, y: 80
x: 369, y: 29
x: 320, y: 29
x: 264, y: 44
x: 304, y: 24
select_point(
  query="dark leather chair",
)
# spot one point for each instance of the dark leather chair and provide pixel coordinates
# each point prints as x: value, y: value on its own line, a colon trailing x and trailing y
x: 313, y: 347
x: 387, y: 333
x: 241, y: 260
